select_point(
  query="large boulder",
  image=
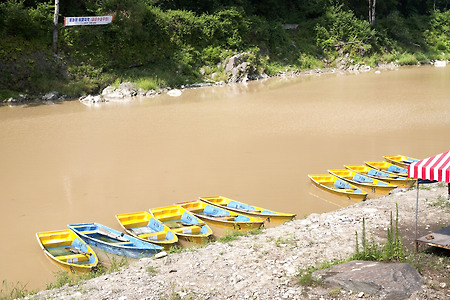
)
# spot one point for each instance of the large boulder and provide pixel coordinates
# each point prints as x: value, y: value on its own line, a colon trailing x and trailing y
x: 388, y: 280
x: 241, y: 68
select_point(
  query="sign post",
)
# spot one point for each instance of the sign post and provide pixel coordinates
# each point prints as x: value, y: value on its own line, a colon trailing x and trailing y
x: 55, y: 27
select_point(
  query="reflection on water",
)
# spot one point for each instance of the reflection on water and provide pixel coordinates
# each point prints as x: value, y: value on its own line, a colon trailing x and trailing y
x: 253, y: 142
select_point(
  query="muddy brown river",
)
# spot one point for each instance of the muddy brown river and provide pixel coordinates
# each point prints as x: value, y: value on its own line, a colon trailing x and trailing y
x: 256, y: 142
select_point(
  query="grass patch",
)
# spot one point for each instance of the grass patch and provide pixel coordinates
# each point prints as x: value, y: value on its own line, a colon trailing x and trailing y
x: 152, y: 271
x: 175, y: 249
x: 305, y: 278
x: 65, y: 278
x: 13, y: 291
x: 440, y: 201
x: 235, y: 235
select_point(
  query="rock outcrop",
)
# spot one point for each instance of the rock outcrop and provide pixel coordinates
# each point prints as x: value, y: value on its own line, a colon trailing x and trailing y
x: 389, y: 280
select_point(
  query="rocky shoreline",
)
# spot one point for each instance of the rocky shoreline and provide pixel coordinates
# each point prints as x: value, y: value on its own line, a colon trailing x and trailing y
x: 236, y: 69
x: 266, y: 265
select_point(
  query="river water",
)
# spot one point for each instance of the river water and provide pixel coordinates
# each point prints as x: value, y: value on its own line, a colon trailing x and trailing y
x: 255, y: 142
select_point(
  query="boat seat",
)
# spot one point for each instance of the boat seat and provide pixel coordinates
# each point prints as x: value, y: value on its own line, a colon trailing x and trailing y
x: 361, y: 178
x: 190, y: 229
x: 342, y: 185
x: 124, y: 243
x: 56, y: 243
x: 153, y: 236
x: 89, y: 232
x: 73, y: 258
x: 134, y: 223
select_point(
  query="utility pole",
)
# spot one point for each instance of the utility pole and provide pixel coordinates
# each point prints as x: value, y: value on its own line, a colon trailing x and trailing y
x: 55, y: 27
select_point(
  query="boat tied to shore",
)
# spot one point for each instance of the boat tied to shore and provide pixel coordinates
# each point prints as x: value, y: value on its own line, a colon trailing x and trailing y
x: 67, y: 250
x: 221, y: 220
x: 113, y: 241
x: 189, y: 229
x: 372, y: 186
x: 146, y: 227
x: 338, y: 187
x: 271, y: 218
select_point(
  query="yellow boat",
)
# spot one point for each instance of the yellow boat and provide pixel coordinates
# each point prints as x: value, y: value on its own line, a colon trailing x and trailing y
x: 373, y: 187
x: 271, y: 218
x: 67, y: 250
x: 400, y: 160
x: 189, y: 229
x: 221, y: 220
x: 400, y: 181
x: 337, y: 186
x: 388, y: 167
x: 147, y: 228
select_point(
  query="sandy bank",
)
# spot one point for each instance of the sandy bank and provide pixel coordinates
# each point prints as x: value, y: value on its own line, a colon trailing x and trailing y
x: 264, y: 266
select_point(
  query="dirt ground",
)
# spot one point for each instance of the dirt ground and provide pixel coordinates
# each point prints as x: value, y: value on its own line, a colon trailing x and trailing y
x: 266, y: 265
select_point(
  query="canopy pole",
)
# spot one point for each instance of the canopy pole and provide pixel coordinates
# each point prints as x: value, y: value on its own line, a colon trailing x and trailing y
x: 417, y: 210
x: 448, y: 191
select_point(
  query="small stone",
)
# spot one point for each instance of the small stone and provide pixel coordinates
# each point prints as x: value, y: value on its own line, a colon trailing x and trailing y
x: 160, y: 254
x: 361, y: 294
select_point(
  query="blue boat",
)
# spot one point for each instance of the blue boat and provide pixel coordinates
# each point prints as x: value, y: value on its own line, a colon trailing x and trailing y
x: 113, y: 241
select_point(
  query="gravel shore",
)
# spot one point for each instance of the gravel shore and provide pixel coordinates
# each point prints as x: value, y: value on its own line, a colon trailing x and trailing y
x: 264, y: 266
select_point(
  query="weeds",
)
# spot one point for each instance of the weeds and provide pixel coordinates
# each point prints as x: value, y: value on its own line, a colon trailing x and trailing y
x: 152, y: 271
x: 392, y: 250
x: 305, y: 276
x: 65, y: 278
x: 235, y: 235
x: 441, y: 201
x: 13, y: 291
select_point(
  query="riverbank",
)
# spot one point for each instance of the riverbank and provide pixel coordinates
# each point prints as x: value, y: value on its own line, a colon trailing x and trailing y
x: 266, y: 265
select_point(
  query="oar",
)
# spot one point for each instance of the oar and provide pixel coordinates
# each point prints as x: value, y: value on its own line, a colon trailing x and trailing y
x: 112, y: 235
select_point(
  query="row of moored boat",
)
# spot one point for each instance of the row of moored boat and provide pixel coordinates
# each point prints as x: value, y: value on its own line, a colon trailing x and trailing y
x: 373, y: 179
x: 147, y: 233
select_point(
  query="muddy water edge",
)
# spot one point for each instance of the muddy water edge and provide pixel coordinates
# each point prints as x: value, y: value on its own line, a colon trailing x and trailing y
x: 254, y: 142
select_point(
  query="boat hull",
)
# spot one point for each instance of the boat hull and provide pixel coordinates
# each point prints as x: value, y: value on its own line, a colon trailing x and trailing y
x: 59, y: 247
x: 134, y: 248
x: 400, y: 160
x: 271, y: 218
x: 189, y: 229
x: 401, y: 182
x: 144, y: 226
x: 375, y: 189
x: 220, y: 220
x: 326, y: 182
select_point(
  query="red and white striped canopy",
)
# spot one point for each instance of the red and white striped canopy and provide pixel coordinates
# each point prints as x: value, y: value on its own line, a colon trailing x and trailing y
x: 433, y: 168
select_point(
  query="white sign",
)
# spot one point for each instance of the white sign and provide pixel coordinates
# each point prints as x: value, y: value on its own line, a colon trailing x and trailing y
x: 74, y: 21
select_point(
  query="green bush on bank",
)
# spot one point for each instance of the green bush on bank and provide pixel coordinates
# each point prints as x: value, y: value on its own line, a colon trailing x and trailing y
x: 163, y: 43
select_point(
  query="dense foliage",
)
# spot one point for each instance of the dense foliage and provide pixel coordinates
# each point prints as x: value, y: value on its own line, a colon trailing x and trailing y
x: 171, y: 42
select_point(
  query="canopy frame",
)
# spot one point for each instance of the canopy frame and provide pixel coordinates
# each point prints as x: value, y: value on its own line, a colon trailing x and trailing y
x: 432, y: 169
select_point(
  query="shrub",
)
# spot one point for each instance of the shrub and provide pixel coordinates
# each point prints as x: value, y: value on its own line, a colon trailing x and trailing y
x: 438, y: 36
x: 340, y: 31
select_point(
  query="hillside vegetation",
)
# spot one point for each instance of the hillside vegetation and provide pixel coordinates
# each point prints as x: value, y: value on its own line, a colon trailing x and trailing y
x: 159, y: 43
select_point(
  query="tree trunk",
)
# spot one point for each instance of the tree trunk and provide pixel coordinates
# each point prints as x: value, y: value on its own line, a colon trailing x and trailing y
x: 372, y: 4
x: 55, y: 27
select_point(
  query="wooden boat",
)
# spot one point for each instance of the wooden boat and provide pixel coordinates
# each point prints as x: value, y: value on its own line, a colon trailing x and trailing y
x: 67, y: 250
x: 189, y: 229
x: 221, y: 220
x: 147, y: 228
x: 113, y: 241
x: 373, y: 187
x: 400, y: 160
x: 337, y: 186
x: 387, y: 167
x: 400, y: 181
x: 271, y: 218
